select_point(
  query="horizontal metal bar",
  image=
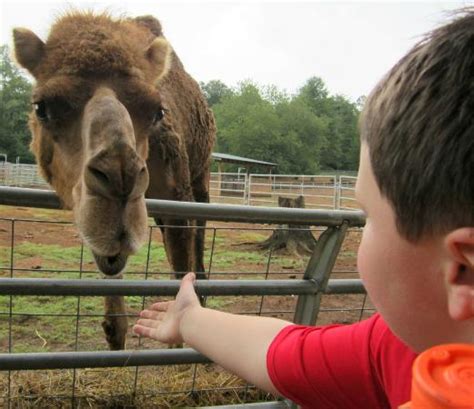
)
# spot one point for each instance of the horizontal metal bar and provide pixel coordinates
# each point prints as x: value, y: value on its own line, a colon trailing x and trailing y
x: 83, y: 287
x: 345, y: 286
x: 47, y: 286
x: 200, y: 211
x: 100, y: 359
x: 15, y: 196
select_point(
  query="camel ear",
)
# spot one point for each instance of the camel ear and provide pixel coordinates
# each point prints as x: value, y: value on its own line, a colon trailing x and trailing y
x: 159, y: 56
x: 29, y: 49
x: 151, y: 23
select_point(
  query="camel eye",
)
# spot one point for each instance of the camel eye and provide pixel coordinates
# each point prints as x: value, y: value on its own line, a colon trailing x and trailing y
x: 40, y: 110
x: 158, y: 116
x: 53, y: 111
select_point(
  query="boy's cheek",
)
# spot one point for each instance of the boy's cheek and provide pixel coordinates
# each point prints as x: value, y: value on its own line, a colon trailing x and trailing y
x: 371, y: 262
x: 362, y: 259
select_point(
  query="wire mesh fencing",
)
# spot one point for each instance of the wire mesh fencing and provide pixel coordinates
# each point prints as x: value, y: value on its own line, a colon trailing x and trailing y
x: 51, y: 309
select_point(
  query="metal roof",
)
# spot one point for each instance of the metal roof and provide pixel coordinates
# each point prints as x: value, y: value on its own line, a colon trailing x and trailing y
x: 224, y: 157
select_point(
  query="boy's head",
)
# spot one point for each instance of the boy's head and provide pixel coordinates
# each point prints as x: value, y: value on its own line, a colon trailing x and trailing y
x: 416, y: 183
x: 419, y: 127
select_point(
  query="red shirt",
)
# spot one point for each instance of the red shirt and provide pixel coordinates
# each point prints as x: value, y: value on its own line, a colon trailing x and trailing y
x: 358, y: 366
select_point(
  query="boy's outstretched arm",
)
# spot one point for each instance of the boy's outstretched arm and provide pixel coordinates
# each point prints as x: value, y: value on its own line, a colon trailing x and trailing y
x: 236, y: 342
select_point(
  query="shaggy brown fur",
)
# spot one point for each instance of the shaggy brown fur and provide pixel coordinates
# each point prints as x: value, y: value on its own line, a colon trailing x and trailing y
x: 114, y: 109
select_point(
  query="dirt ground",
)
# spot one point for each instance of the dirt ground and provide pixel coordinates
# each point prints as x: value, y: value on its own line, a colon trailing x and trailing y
x: 46, y: 244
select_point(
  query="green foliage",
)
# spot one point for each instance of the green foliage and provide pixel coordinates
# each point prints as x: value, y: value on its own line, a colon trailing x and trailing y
x: 304, y: 133
x: 342, y: 149
x: 215, y: 91
x: 15, y: 98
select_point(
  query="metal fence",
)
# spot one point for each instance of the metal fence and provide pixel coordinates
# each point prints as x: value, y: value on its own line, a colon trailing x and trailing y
x: 319, y: 191
x: 305, y: 288
x: 19, y: 174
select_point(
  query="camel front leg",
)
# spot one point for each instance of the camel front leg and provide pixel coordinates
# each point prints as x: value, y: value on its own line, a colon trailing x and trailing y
x: 180, y: 243
x: 115, y: 322
x: 201, y: 194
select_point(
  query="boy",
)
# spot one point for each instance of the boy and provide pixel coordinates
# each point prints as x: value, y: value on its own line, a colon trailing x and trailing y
x: 416, y: 257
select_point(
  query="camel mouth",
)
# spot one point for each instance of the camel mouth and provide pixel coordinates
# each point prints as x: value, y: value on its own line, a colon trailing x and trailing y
x: 111, y: 265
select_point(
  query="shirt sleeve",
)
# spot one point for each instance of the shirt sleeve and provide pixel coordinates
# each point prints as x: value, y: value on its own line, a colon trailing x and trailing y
x: 329, y: 367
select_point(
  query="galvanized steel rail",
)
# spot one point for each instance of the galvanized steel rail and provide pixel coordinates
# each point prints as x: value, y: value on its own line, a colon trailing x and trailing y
x: 83, y: 287
x: 102, y: 359
x: 200, y: 211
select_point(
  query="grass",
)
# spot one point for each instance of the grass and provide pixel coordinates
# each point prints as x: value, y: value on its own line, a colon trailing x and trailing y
x: 232, y: 259
x: 48, y: 252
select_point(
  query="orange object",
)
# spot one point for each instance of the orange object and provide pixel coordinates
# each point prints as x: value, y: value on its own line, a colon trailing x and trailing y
x: 443, y: 378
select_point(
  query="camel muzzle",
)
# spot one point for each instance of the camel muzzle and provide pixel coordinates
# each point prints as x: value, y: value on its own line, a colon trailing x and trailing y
x: 111, y: 266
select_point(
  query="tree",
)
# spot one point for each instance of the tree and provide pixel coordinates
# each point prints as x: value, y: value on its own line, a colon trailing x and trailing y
x: 339, y: 147
x: 15, y: 101
x: 269, y: 127
x: 360, y: 103
x: 304, y: 133
x: 215, y: 91
x: 246, y: 124
x: 297, y: 122
x: 315, y: 95
x: 342, y: 148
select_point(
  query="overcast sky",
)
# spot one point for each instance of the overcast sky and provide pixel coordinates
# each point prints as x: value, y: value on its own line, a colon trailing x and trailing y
x: 350, y: 45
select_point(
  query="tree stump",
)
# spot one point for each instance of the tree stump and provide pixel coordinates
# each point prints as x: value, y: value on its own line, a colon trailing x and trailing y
x: 292, y: 238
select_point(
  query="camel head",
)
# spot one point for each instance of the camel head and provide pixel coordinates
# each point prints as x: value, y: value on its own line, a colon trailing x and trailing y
x: 95, y: 103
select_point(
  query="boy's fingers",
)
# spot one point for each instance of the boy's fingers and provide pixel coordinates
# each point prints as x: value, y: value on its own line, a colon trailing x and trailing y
x: 148, y: 323
x: 150, y: 314
x: 189, y: 277
x: 188, y: 280
x: 161, y: 306
x: 141, y: 330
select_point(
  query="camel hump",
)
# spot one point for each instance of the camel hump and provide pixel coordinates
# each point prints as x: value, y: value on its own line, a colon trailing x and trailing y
x: 151, y: 23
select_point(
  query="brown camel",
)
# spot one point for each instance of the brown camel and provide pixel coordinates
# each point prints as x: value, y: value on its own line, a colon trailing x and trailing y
x: 115, y: 119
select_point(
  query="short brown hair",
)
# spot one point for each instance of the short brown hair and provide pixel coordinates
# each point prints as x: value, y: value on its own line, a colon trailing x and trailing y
x: 419, y: 126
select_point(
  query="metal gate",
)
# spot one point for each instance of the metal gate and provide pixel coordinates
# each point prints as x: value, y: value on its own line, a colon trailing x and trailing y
x: 308, y: 289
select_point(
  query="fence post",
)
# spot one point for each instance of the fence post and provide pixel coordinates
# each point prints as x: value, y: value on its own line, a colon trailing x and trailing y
x: 319, y: 269
x: 337, y: 192
x: 248, y: 188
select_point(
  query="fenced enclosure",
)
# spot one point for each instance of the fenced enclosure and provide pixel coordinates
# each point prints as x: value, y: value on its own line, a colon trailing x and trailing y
x: 19, y: 174
x: 319, y: 191
x: 50, y: 314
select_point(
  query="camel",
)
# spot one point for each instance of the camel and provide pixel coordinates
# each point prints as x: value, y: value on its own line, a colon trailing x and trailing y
x: 115, y: 119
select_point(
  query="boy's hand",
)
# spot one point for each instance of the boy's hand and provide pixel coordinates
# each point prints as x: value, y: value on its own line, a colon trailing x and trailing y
x: 162, y: 320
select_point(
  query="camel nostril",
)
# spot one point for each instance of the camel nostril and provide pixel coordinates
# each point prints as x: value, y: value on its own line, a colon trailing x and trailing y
x: 112, y: 260
x: 99, y: 175
x: 111, y: 265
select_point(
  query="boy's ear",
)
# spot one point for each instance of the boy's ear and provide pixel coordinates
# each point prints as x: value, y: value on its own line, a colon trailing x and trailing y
x: 459, y: 273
